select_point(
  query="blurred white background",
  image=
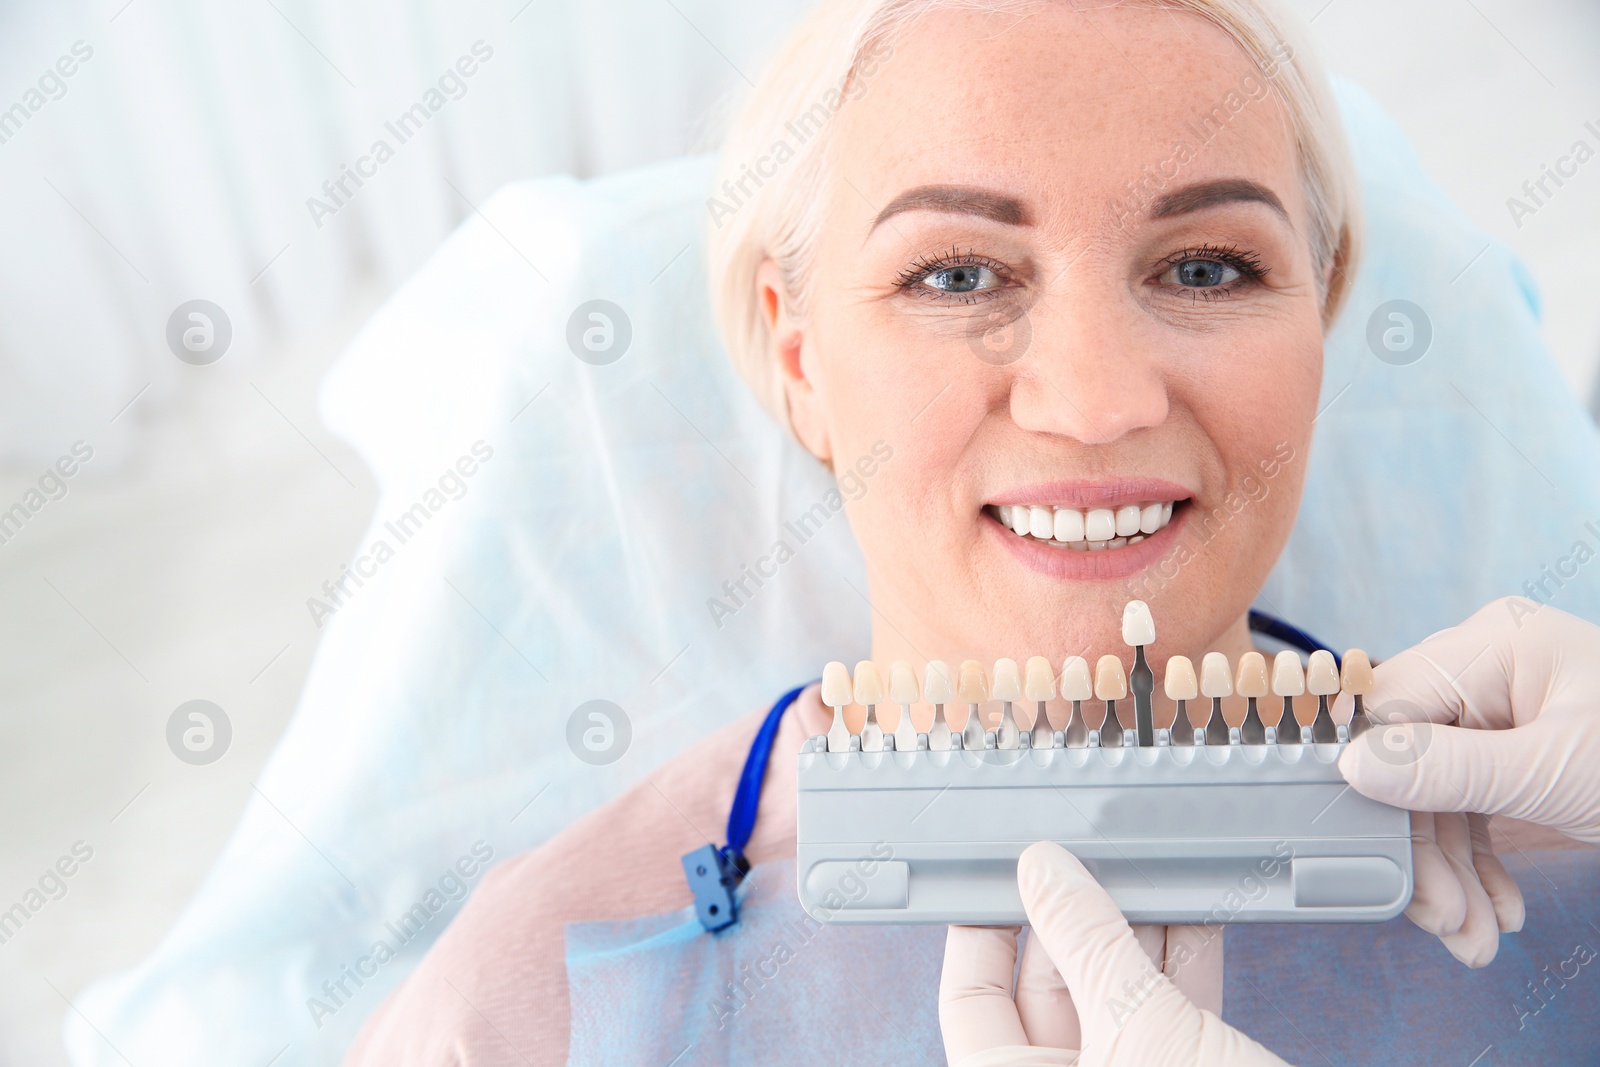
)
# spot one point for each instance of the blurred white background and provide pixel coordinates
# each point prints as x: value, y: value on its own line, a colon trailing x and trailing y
x: 176, y: 162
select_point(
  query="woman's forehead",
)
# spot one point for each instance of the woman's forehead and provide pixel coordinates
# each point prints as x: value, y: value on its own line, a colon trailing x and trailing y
x: 1126, y: 103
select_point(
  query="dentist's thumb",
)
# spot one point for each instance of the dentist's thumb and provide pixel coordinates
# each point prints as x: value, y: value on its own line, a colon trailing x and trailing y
x: 1426, y: 766
x: 1090, y: 942
x: 1129, y: 1013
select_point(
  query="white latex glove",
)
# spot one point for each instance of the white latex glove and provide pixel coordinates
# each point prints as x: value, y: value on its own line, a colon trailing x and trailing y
x: 1114, y: 1004
x: 1521, y: 684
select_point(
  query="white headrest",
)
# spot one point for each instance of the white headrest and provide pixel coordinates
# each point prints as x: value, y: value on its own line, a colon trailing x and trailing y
x: 1439, y: 483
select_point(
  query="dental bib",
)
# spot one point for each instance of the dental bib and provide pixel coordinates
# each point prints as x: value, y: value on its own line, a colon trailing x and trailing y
x: 777, y: 988
x: 780, y: 988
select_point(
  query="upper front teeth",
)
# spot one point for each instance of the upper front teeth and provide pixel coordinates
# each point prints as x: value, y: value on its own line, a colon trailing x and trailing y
x: 1092, y: 528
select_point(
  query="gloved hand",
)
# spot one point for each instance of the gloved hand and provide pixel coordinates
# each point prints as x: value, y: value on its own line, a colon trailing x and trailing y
x: 1115, y: 1004
x: 1520, y: 682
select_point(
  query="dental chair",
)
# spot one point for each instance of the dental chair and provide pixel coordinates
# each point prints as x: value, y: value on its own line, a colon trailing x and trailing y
x: 612, y: 495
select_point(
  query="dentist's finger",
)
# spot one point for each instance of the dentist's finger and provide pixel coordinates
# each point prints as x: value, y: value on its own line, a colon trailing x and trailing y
x: 976, y: 1011
x: 1429, y: 767
x: 1153, y: 939
x: 1194, y: 963
x: 1438, y: 903
x: 1478, y: 939
x: 1506, y: 895
x: 1418, y: 683
x: 1045, y: 1007
x: 1020, y: 1056
x: 1102, y: 961
x: 1537, y: 772
x: 1466, y: 674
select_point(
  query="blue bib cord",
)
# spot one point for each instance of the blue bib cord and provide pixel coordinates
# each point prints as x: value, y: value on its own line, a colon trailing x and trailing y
x: 714, y: 873
x: 1322, y: 728
x: 1278, y: 630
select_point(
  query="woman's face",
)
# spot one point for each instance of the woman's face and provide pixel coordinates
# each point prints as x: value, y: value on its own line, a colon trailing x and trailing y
x: 1063, y: 268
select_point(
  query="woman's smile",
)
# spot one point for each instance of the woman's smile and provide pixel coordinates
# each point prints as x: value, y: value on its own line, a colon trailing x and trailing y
x: 1079, y: 531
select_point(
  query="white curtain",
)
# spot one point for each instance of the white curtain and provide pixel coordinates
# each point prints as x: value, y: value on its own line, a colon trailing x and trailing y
x: 176, y: 160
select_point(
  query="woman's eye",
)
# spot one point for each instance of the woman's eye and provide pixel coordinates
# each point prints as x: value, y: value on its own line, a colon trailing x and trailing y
x: 968, y: 278
x: 1201, y: 274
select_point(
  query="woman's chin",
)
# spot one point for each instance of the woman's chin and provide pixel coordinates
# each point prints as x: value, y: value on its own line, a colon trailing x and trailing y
x: 1065, y: 563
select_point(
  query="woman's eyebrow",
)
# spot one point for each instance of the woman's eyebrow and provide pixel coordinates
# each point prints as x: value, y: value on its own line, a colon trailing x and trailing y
x: 1209, y: 194
x: 957, y: 200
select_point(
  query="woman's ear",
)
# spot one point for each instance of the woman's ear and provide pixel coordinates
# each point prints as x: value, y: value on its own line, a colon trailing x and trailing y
x: 790, y: 353
x: 1336, y: 279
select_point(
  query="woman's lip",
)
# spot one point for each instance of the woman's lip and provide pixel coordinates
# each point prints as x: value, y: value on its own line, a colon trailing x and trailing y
x: 1088, y: 564
x: 1109, y: 493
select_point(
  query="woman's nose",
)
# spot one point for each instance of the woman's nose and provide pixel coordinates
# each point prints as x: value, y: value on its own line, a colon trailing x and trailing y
x: 1084, y: 377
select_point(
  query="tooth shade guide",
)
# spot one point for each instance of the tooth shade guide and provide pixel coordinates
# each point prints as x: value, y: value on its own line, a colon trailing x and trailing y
x: 1322, y: 680
x: 1250, y: 678
x: 1110, y: 680
x: 1111, y: 686
x: 972, y: 683
x: 1216, y: 678
x: 1322, y: 674
x: 1300, y: 705
x: 1251, y: 682
x: 1355, y: 678
x: 1039, y: 681
x: 1007, y: 686
x: 1026, y: 680
x: 1178, y: 680
x: 1288, y: 677
x: 1323, y: 729
x: 1007, y: 691
x: 845, y: 803
x: 938, y: 682
x: 1220, y: 715
x: 1138, y: 625
x: 837, y: 690
x: 1253, y: 731
x: 905, y: 730
x: 868, y: 685
x: 1182, y: 730
x: 1288, y: 682
x: 855, y: 716
x: 1041, y: 731
x: 1077, y: 683
x: 972, y: 690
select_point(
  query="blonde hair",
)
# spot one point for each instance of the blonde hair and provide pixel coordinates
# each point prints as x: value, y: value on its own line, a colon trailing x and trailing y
x: 773, y: 175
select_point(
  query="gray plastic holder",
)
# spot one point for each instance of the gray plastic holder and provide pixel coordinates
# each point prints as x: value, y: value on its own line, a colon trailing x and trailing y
x: 1202, y: 834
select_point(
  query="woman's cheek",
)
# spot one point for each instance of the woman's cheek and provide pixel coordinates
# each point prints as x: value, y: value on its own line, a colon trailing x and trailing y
x: 865, y: 371
x: 1269, y: 388
x: 882, y: 387
x: 1273, y: 475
